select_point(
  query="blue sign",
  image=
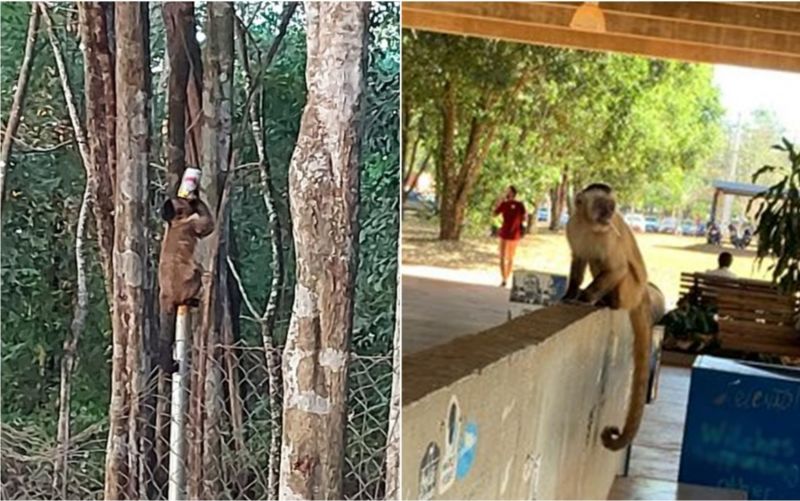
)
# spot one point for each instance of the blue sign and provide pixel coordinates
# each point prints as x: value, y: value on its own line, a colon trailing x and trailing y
x: 742, y: 428
x: 467, y: 449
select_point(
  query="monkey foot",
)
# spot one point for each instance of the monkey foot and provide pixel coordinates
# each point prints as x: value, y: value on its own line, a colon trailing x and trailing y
x: 169, y: 366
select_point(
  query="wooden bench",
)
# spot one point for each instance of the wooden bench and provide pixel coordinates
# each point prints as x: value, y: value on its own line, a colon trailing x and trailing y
x: 753, y: 315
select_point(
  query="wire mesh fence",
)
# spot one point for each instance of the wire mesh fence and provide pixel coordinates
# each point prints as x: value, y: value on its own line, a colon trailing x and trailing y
x: 228, y: 443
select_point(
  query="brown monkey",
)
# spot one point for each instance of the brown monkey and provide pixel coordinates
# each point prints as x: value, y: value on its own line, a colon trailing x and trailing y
x: 179, y: 276
x: 599, y: 238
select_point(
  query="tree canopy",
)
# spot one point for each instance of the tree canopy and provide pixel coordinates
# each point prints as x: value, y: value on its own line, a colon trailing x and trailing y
x: 555, y: 119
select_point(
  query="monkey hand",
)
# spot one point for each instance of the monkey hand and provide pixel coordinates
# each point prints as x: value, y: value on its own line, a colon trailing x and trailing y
x: 585, y: 297
x: 579, y: 298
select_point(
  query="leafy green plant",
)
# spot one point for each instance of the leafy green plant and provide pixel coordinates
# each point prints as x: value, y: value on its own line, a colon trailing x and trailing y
x: 778, y: 216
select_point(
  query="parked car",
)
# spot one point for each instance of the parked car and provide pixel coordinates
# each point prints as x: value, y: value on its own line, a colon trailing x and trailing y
x: 420, y: 203
x: 651, y: 224
x: 636, y: 222
x: 702, y: 229
x: 668, y: 225
x: 688, y: 228
x: 543, y: 215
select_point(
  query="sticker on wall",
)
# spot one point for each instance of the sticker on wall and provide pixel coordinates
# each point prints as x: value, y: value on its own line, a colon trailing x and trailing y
x: 452, y: 429
x: 428, y: 470
x: 466, y: 450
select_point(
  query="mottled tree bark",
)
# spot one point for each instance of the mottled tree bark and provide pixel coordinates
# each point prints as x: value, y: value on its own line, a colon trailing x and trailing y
x: 217, y: 105
x: 100, y: 100
x: 130, y: 249
x: 15, y: 113
x: 323, y: 190
x: 179, y: 27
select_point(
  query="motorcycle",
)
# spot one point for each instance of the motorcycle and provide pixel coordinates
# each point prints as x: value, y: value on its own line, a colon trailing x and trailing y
x: 714, y: 236
x: 743, y: 241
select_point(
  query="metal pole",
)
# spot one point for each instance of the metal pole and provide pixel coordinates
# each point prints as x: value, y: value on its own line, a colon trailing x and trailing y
x: 177, y: 428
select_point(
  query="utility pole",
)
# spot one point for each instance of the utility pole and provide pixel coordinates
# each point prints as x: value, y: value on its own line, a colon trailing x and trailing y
x: 177, y: 427
x: 733, y: 170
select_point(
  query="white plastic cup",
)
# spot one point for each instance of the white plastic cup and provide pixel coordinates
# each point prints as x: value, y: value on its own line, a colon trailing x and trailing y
x: 189, y: 182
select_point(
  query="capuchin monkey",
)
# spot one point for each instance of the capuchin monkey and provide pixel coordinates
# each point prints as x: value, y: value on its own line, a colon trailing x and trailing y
x: 600, y: 239
x: 179, y: 276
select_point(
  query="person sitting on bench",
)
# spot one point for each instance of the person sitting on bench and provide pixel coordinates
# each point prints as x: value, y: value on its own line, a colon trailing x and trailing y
x: 725, y: 259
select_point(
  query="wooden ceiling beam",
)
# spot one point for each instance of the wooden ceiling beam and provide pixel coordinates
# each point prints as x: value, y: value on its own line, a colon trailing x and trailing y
x: 555, y: 16
x: 750, y: 16
x: 422, y: 16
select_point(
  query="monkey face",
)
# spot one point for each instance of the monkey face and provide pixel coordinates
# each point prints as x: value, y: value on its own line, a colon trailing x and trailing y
x: 596, y: 204
x: 177, y: 209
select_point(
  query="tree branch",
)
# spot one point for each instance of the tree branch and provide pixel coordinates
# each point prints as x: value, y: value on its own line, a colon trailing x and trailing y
x: 253, y: 313
x: 15, y: 113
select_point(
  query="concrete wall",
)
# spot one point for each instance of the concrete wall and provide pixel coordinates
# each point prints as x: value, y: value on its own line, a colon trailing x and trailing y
x: 532, y: 396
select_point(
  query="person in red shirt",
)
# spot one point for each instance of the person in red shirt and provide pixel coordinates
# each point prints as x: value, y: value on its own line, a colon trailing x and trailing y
x: 513, y: 213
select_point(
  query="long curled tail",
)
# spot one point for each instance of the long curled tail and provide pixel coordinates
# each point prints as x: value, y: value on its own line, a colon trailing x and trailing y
x: 613, y: 439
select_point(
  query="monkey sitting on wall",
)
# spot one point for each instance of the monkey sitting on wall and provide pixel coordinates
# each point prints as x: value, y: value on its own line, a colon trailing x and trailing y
x: 600, y: 239
x: 179, y: 276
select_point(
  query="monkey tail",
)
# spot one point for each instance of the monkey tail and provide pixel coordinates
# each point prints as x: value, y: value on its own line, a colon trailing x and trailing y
x: 613, y: 439
x: 166, y: 338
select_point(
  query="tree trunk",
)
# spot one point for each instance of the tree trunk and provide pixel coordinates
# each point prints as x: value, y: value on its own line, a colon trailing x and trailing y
x: 131, y: 246
x: 271, y: 355
x: 179, y: 27
x: 533, y: 219
x: 217, y: 106
x: 393, y: 434
x: 448, y: 228
x: 15, y: 114
x: 457, y: 183
x: 323, y: 190
x: 559, y: 198
x: 100, y: 127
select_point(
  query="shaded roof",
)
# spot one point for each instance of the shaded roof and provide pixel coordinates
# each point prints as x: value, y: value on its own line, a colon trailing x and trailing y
x: 734, y: 188
x: 755, y: 34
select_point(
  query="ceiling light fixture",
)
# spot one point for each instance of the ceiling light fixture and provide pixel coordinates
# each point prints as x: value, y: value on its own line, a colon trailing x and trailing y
x: 589, y: 17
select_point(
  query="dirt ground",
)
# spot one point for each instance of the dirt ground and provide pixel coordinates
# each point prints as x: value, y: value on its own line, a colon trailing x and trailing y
x: 475, y: 259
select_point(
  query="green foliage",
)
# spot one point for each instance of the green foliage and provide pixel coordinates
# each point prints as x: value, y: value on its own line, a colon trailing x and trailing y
x: 44, y: 193
x: 376, y: 287
x: 778, y: 215
x: 626, y: 120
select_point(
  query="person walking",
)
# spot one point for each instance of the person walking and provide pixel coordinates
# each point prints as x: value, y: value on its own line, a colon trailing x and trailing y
x: 513, y: 214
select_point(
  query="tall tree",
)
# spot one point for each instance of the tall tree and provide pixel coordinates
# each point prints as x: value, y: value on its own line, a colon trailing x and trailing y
x: 131, y: 246
x: 216, y: 319
x: 323, y: 192
x: 98, y: 67
x: 471, y: 103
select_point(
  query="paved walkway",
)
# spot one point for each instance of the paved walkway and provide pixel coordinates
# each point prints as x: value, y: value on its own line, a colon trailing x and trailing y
x: 436, y: 310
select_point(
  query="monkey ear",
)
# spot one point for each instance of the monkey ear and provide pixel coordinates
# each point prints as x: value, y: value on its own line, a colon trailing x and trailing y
x: 168, y: 211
